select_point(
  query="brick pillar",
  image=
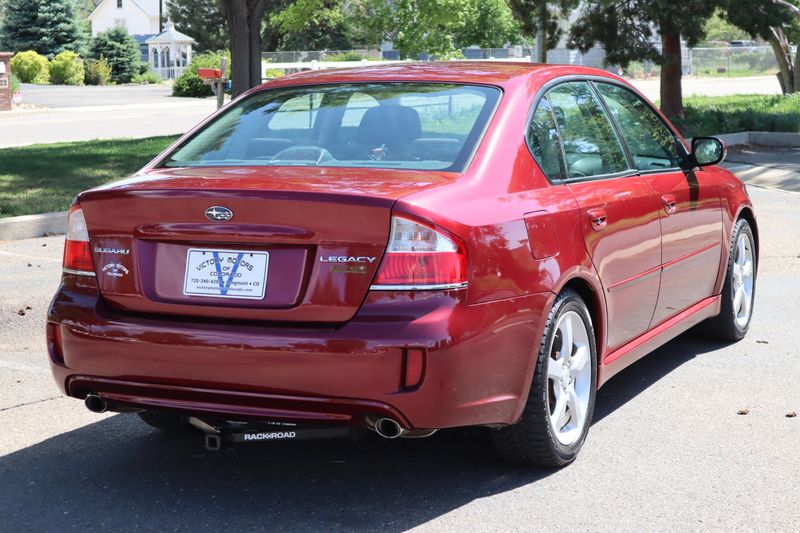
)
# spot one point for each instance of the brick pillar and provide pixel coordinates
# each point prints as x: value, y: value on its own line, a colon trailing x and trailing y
x: 5, y: 81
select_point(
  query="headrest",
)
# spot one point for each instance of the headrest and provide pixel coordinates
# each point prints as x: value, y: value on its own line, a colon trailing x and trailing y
x: 387, y: 124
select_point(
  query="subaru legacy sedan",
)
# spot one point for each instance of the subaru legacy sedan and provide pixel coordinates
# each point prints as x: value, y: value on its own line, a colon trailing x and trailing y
x: 402, y: 249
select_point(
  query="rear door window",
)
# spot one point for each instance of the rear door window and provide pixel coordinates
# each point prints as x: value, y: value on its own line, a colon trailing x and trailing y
x: 542, y: 137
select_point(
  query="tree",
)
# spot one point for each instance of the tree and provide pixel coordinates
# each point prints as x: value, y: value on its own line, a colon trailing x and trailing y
x: 720, y: 29
x: 121, y: 52
x: 489, y: 24
x: 627, y: 28
x: 245, y: 19
x: 203, y: 21
x: 539, y: 19
x: 438, y: 27
x: 778, y: 22
x: 46, y: 26
x: 313, y: 25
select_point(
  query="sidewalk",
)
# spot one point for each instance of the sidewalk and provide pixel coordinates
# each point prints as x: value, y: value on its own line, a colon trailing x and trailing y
x: 775, y: 168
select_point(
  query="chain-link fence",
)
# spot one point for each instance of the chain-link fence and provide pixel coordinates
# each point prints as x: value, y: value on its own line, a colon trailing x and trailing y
x: 733, y: 61
x: 303, y: 56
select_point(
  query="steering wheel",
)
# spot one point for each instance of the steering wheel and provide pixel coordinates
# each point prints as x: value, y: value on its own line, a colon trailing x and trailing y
x: 316, y: 154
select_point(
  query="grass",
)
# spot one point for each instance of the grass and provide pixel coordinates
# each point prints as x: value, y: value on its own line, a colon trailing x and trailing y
x: 711, y: 115
x: 46, y: 177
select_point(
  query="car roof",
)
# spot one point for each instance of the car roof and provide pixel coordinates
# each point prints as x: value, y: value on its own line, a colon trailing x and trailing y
x: 499, y: 73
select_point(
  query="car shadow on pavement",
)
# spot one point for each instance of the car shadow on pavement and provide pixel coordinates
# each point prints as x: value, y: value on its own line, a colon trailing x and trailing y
x: 118, y: 474
x: 638, y: 377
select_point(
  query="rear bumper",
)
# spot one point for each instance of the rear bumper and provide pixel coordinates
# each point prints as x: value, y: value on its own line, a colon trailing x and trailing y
x: 478, y: 360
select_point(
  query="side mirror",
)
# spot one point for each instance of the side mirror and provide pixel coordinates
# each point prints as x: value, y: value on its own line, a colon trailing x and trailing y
x: 708, y: 151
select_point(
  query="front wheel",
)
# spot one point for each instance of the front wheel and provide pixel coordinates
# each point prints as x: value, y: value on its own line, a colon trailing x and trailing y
x: 738, y: 292
x: 560, y: 404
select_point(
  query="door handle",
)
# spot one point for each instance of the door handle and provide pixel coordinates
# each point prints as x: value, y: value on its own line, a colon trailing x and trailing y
x: 670, y: 203
x: 598, y: 217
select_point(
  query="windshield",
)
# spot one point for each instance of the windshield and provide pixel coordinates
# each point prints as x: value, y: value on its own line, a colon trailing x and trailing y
x: 375, y: 125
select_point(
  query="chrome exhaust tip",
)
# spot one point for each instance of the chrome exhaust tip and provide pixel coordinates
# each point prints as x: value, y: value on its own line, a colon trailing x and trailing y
x: 388, y: 428
x: 95, y: 403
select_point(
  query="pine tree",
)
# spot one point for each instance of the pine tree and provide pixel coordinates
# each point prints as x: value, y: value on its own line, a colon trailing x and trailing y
x: 202, y: 20
x: 47, y: 26
x: 121, y: 52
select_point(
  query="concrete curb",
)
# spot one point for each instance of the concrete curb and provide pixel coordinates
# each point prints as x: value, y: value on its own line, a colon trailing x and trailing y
x: 761, y: 138
x: 31, y: 226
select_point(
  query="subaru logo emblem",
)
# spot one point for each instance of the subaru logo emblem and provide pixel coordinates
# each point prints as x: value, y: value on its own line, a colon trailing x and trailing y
x: 219, y: 214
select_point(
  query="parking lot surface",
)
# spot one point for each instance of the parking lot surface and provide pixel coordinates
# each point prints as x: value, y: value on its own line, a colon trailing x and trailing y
x: 667, y: 451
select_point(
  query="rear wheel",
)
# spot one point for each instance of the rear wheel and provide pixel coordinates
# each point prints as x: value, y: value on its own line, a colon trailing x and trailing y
x: 738, y: 293
x: 560, y: 404
x: 168, y: 422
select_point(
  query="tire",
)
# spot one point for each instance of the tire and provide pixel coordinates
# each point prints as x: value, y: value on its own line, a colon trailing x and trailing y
x: 732, y: 323
x: 167, y: 422
x: 535, y: 440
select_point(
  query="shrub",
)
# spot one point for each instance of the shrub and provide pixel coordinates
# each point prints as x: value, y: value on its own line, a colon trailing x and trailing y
x: 30, y: 67
x: 272, y: 73
x: 15, y: 83
x: 120, y: 51
x: 147, y: 78
x: 97, y: 72
x: 707, y: 115
x: 67, y: 69
x: 189, y: 83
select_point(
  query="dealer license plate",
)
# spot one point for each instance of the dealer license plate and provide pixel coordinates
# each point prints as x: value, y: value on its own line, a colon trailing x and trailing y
x: 226, y: 273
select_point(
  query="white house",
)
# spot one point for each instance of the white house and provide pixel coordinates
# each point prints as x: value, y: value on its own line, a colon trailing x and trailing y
x: 139, y: 17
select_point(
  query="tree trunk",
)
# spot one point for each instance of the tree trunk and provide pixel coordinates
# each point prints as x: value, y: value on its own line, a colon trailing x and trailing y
x: 244, y: 25
x: 541, y: 32
x: 671, y: 71
x: 797, y: 71
x: 254, y: 22
x: 783, y: 54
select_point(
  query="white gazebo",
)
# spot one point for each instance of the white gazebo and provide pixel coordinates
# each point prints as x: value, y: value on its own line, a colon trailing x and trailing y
x: 169, y: 52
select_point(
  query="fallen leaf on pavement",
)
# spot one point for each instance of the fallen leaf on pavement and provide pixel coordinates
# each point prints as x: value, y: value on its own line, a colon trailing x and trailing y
x: 791, y: 414
x: 743, y: 411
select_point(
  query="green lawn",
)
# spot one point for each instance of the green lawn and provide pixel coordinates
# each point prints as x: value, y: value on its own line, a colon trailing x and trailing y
x: 46, y: 177
x: 710, y: 115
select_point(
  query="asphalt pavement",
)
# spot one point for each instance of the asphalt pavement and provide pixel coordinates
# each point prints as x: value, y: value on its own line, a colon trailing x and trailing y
x: 66, y: 96
x: 668, y: 450
x: 65, y: 114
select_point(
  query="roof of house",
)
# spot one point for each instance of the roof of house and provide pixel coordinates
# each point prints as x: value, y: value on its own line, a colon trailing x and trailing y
x: 139, y: 4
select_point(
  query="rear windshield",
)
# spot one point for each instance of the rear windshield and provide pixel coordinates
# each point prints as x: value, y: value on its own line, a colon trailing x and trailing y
x: 376, y: 125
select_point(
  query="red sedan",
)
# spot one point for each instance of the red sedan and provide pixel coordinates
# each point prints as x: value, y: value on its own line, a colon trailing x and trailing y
x: 402, y: 249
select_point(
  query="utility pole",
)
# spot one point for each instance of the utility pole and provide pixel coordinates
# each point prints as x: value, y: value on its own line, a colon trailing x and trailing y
x: 160, y: 16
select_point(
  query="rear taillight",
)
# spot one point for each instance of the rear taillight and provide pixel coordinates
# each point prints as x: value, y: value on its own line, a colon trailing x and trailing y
x: 77, y: 252
x: 420, y: 257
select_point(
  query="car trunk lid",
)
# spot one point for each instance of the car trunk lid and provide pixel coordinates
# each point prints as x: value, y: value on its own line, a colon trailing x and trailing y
x: 314, y: 237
